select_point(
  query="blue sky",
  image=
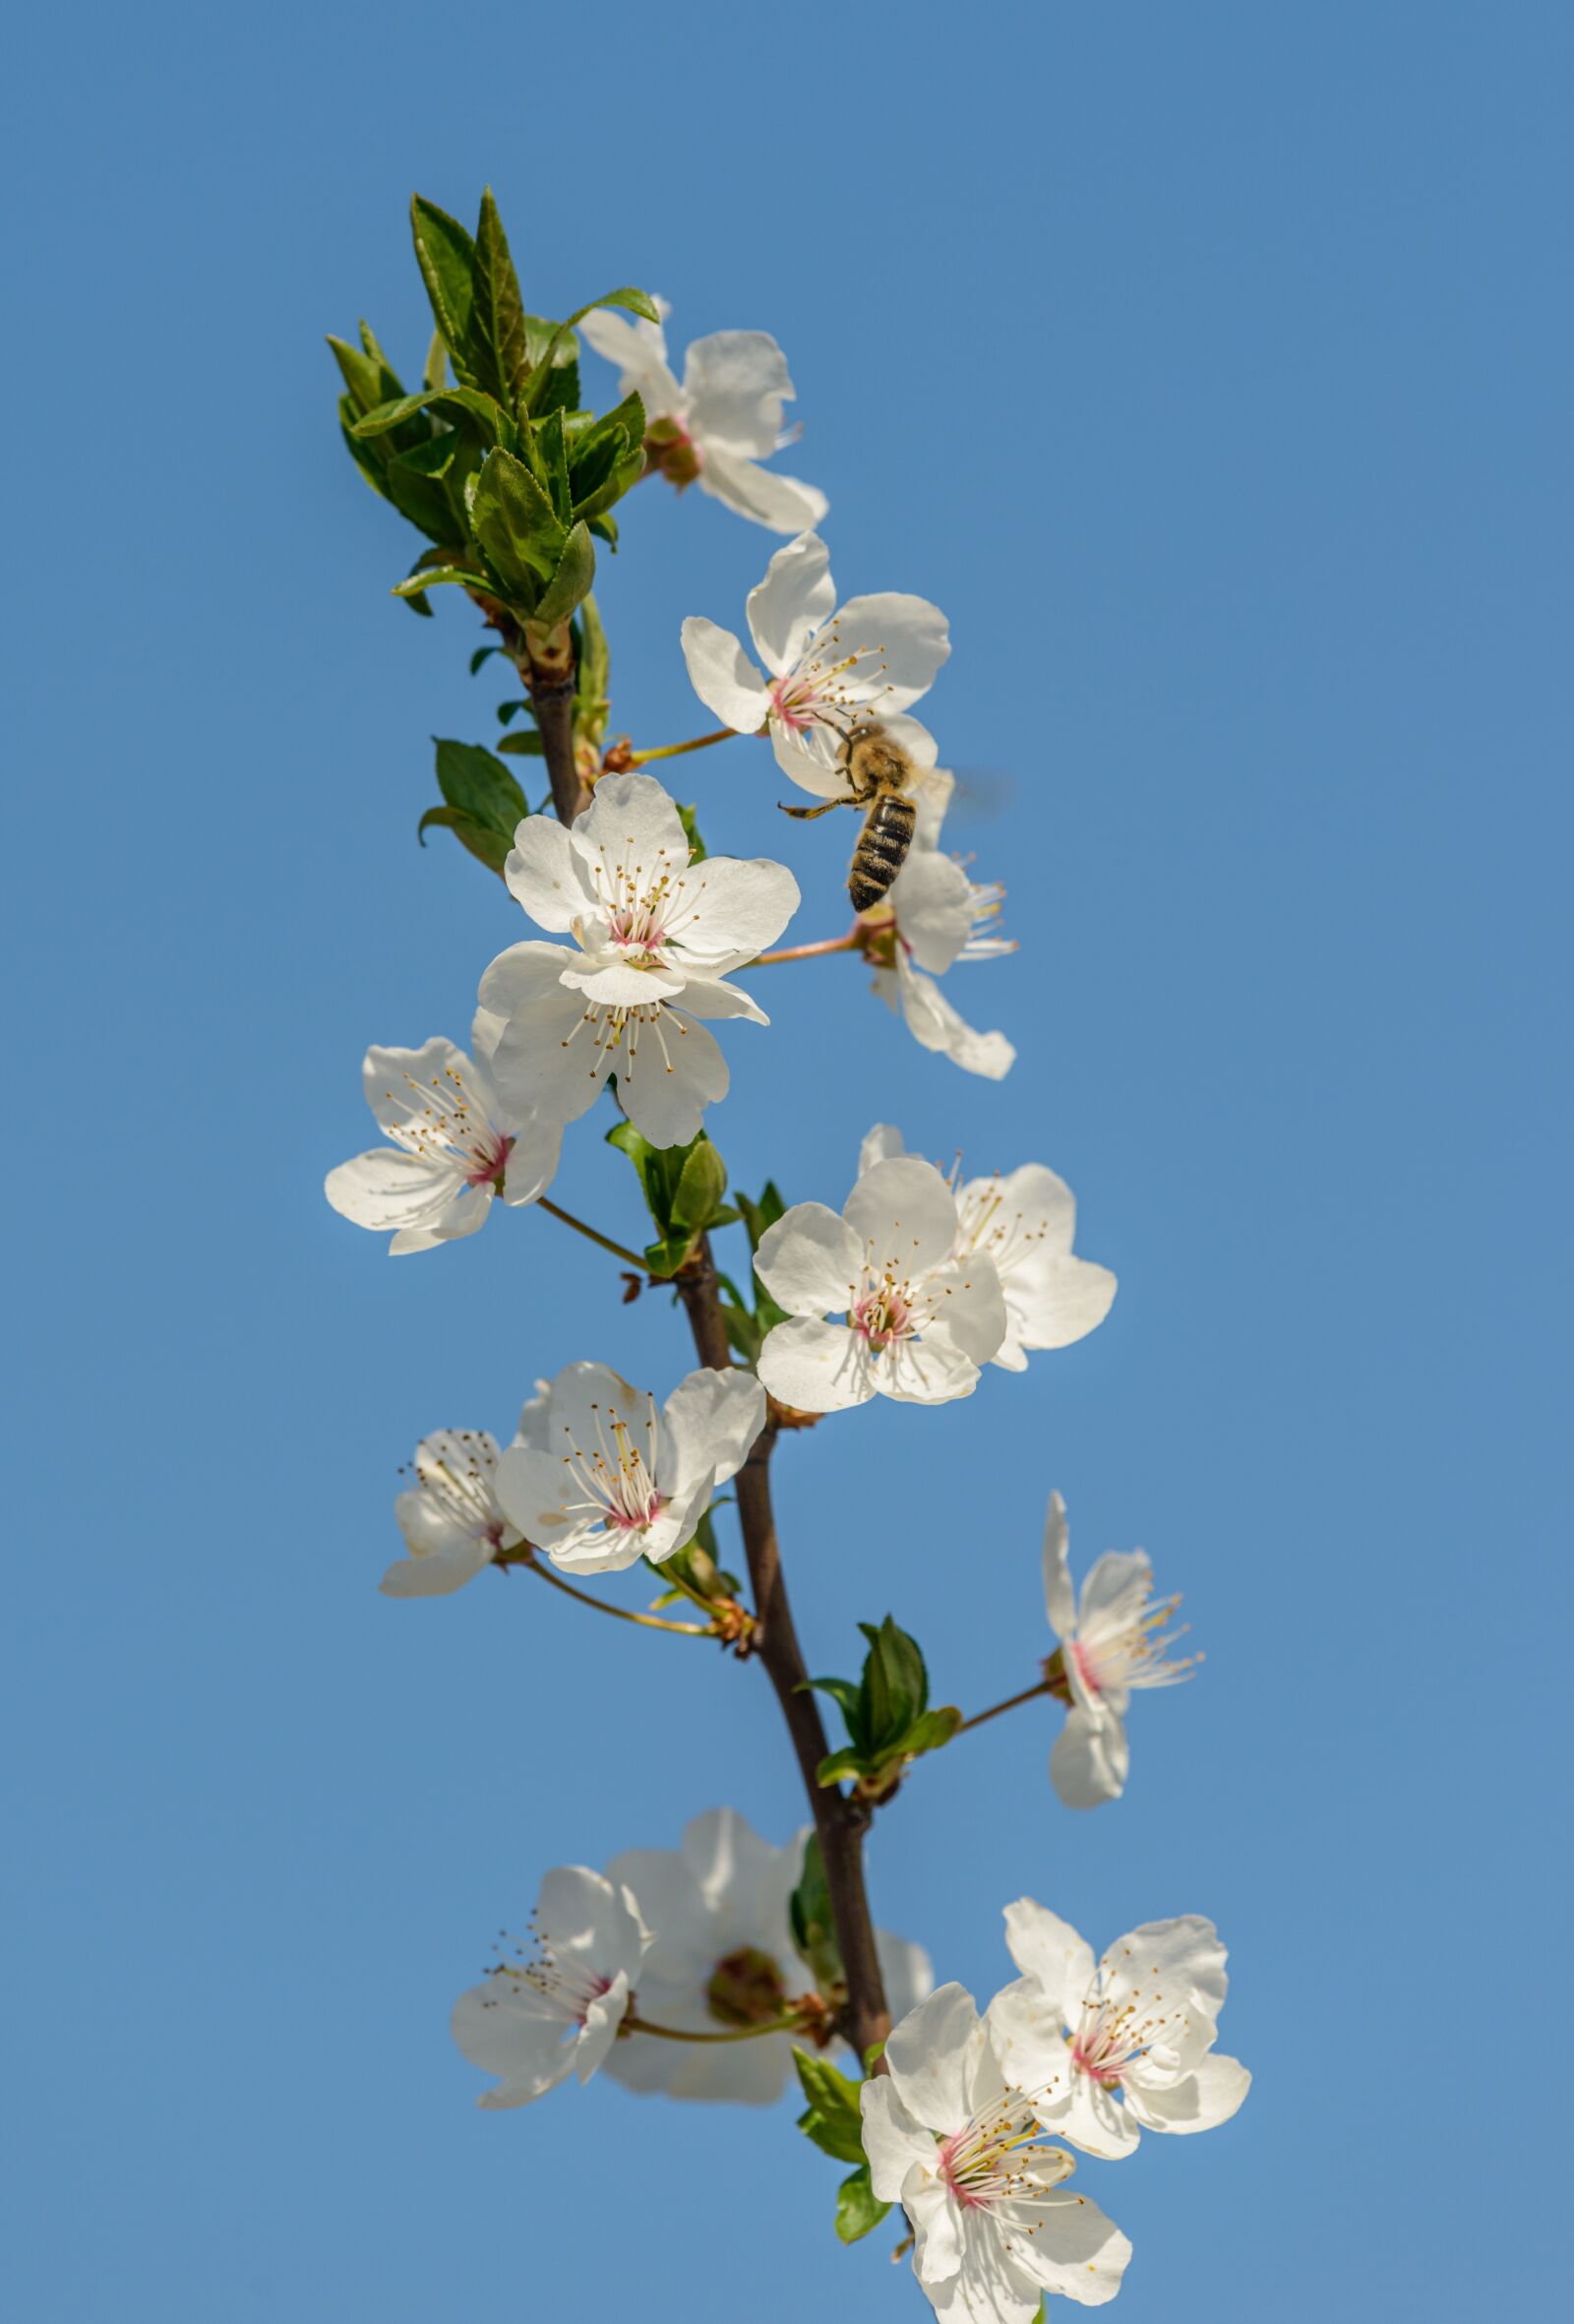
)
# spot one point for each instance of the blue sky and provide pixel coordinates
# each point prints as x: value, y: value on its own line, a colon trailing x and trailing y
x: 1211, y: 368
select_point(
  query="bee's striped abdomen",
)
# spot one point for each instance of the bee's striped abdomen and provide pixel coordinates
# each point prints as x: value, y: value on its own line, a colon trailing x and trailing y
x: 882, y: 849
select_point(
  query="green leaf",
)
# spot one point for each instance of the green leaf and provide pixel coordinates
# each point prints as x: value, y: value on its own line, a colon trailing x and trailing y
x: 636, y: 302
x: 521, y: 746
x: 498, y: 315
x: 605, y: 460
x: 858, y: 2208
x: 480, y: 786
x: 492, y: 849
x: 764, y: 1212
x: 551, y: 463
x: 843, y: 1766
x: 481, y: 655
x: 435, y: 372
x: 570, y: 582
x: 460, y: 405
x: 415, y: 483
x: 592, y: 678
x: 895, y: 1684
x: 446, y: 256
x: 833, y: 2119
x: 515, y: 525
x: 683, y: 1187
x: 439, y: 575
x: 932, y: 1731
x: 845, y: 1693
x: 814, y: 1924
x: 368, y: 377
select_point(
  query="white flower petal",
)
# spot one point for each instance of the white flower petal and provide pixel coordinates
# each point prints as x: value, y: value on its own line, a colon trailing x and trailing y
x: 437, y: 1574
x: 730, y: 908
x: 1201, y: 2100
x: 816, y: 1367
x: 969, y: 1304
x: 810, y: 1260
x: 883, y: 1145
x: 1171, y: 1970
x: 1113, y: 1595
x: 932, y: 2055
x: 1059, y: 1300
x: 711, y: 996
x: 734, y: 384
x: 713, y: 1418
x: 933, y: 899
x: 639, y: 351
x: 602, y: 2018
x: 786, y: 608
x: 906, y: 1972
x: 547, y: 874
x: 630, y: 833
x: 1060, y: 1600
x: 893, y: 2139
x: 388, y: 1190
x: 932, y: 1370
x: 811, y: 760
x: 935, y: 1024
x: 783, y: 504
x: 553, y: 1056
x: 724, y: 676
x: 532, y: 1162
x: 1075, y: 2251
x: 1090, y: 1759
x: 1050, y: 1950
x: 496, y: 2027
x: 904, y: 639
x: 903, y: 1215
x: 516, y: 979
x: 667, y: 1082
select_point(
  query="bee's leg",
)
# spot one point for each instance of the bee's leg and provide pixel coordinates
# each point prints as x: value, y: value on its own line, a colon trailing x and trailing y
x: 807, y: 814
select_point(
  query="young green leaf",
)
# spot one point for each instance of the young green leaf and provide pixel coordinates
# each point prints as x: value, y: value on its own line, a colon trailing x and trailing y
x: 833, y: 2119
x: 446, y: 256
x: 498, y: 314
x: 814, y: 1924
x: 515, y: 525
x: 570, y: 582
x: 857, y: 2207
x: 480, y: 786
x: 487, y: 846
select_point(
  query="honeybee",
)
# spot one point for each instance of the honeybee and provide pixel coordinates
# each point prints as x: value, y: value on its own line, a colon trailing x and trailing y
x: 881, y: 778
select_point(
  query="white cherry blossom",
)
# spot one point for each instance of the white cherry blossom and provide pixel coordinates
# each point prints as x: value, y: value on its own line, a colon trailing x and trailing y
x: 916, y: 1322
x: 604, y: 1479
x: 825, y: 669
x: 935, y: 917
x: 723, y: 1957
x: 534, y: 2022
x: 1026, y: 1219
x: 1121, y: 2046
x: 995, y: 2225
x: 450, y: 1516
x: 654, y: 936
x: 1115, y: 1640
x: 724, y: 419
x: 453, y: 1145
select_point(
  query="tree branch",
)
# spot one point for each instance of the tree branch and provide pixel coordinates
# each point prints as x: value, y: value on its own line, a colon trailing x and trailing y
x: 839, y: 1821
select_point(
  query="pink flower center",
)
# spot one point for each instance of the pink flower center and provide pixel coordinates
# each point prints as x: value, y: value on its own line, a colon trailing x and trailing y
x: 1087, y: 1670
x: 488, y: 1155
x: 627, y: 1516
x: 795, y: 702
x: 951, y: 2169
x: 883, y: 1317
x: 631, y: 929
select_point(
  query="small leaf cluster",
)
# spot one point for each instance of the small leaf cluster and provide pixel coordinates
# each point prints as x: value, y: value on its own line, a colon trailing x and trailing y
x: 683, y: 1188
x: 833, y: 2120
x: 748, y: 1320
x: 499, y: 465
x: 886, y: 1713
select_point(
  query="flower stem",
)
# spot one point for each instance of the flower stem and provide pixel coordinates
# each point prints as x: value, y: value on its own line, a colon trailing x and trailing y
x: 591, y: 1235
x: 830, y: 944
x: 701, y: 742
x: 1027, y: 1694
x: 647, y: 1622
x: 840, y: 1820
x: 775, y: 2025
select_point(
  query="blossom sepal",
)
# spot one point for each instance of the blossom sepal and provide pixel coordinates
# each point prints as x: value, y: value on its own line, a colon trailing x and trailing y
x: 887, y: 1714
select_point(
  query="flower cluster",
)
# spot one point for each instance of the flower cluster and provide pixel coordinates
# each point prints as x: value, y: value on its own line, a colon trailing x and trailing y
x: 727, y: 1967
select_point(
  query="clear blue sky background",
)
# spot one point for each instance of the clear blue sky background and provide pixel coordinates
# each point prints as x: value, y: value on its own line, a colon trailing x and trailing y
x: 1211, y: 367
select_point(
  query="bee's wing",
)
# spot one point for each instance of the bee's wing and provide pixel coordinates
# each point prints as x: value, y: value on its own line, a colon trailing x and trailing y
x: 980, y: 794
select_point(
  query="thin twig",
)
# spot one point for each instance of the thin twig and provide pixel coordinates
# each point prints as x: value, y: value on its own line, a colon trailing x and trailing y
x: 775, y: 2025
x: 647, y: 1622
x: 701, y: 742
x: 1027, y: 1694
x: 830, y: 944
x: 592, y: 1234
